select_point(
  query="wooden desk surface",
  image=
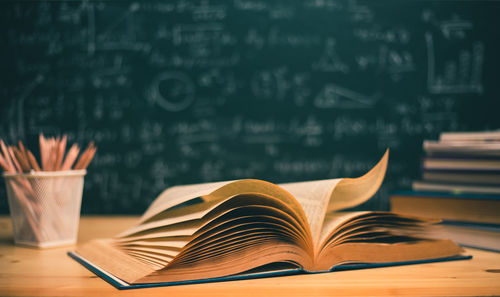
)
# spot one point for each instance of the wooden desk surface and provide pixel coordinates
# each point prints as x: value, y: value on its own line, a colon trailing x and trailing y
x: 50, y: 272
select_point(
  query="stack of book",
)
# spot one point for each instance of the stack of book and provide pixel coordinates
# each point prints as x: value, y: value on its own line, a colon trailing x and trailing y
x: 461, y: 185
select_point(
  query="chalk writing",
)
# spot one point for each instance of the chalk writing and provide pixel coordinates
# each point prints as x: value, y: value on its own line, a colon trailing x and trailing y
x: 188, y: 91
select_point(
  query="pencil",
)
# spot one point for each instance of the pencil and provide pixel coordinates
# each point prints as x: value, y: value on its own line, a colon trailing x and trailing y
x: 89, y: 158
x: 43, y: 152
x: 23, y: 163
x: 22, y: 149
x: 84, y: 156
x: 14, y: 160
x: 32, y: 160
x: 70, y: 157
x: 7, y: 155
x: 61, y: 148
x: 4, y: 164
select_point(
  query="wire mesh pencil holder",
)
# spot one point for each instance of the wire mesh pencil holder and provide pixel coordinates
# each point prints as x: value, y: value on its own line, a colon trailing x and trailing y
x: 45, y: 206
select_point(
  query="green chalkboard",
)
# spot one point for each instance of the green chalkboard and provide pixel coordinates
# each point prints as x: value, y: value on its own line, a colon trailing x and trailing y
x: 182, y: 91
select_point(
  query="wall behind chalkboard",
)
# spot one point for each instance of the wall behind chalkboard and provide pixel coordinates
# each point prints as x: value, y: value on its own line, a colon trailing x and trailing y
x: 184, y: 91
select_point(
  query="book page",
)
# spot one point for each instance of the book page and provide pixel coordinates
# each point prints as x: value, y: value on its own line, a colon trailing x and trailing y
x: 313, y: 197
x: 214, y: 192
x: 241, y: 259
x: 333, y: 220
x: 179, y: 194
x: 173, y: 216
x: 318, y: 198
x: 215, y: 213
x: 352, y: 192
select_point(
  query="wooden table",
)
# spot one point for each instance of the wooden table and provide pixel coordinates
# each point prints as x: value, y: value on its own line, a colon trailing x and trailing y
x: 50, y: 272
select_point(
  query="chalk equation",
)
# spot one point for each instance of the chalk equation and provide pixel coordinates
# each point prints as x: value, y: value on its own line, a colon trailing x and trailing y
x: 189, y: 91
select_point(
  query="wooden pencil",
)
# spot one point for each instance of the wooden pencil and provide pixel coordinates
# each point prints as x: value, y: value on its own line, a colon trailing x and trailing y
x: 32, y: 160
x: 53, y: 156
x: 7, y: 155
x: 61, y: 148
x: 22, y: 149
x: 14, y: 160
x: 89, y: 158
x: 20, y: 188
x: 85, y: 157
x: 81, y: 159
x: 70, y: 157
x: 4, y: 164
x: 50, y: 154
x: 43, y: 151
x: 23, y: 162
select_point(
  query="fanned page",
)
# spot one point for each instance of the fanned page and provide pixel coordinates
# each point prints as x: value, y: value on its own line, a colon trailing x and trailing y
x: 234, y: 228
x: 322, y: 196
x: 315, y: 197
x: 178, y: 195
x: 378, y: 237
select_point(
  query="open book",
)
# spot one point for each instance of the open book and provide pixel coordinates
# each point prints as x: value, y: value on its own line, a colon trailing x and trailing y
x: 244, y: 228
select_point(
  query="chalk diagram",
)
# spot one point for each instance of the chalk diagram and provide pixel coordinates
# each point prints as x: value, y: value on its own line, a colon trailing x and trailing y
x: 460, y: 70
x: 19, y: 109
x: 333, y: 96
x: 118, y: 33
x: 330, y: 60
x: 172, y: 91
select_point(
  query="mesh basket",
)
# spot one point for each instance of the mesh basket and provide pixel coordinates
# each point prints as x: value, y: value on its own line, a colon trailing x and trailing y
x: 45, y: 206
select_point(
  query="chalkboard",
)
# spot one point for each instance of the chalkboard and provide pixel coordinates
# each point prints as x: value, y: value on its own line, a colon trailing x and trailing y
x: 182, y: 91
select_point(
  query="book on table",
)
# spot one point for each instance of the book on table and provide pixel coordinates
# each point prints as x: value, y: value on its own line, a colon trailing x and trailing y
x: 471, y: 220
x: 426, y: 186
x: 253, y: 228
x: 472, y: 208
x: 491, y: 165
x: 462, y: 148
x: 464, y: 177
x: 461, y: 162
x: 461, y: 185
x: 481, y: 236
x: 473, y: 136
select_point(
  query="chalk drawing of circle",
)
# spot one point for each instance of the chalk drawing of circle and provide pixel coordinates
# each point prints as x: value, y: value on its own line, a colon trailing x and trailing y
x: 173, y: 91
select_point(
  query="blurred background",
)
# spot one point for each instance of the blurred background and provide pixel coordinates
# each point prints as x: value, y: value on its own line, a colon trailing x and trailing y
x: 180, y: 92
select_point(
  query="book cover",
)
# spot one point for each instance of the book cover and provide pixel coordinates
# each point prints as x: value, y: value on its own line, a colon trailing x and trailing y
x: 265, y: 272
